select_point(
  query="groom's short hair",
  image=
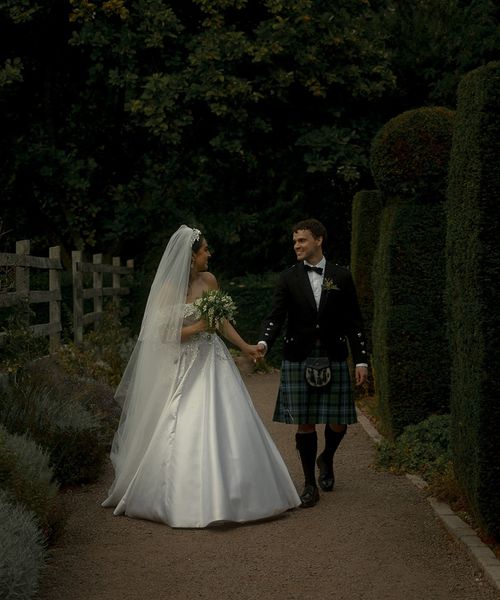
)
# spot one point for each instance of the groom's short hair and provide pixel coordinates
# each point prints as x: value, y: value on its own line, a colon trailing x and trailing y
x: 314, y: 226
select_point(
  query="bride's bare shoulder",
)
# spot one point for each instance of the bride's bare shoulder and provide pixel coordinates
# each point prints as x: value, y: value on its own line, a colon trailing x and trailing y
x: 209, y: 280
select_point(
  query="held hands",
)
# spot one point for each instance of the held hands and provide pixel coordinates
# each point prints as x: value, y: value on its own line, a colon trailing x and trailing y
x: 254, y: 352
x: 262, y: 348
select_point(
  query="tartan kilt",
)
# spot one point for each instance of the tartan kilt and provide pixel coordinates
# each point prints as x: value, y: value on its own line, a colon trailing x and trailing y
x: 298, y: 403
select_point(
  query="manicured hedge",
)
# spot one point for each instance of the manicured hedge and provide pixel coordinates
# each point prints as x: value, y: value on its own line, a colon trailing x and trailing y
x: 410, y: 348
x: 473, y: 284
x: 410, y: 154
x: 366, y: 211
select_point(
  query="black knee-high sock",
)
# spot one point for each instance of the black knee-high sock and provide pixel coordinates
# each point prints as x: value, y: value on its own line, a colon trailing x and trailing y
x: 332, y: 441
x: 307, y: 445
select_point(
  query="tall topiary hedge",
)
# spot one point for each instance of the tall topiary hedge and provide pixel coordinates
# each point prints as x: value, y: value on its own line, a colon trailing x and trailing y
x: 410, y: 349
x: 409, y: 157
x: 366, y: 210
x: 473, y: 284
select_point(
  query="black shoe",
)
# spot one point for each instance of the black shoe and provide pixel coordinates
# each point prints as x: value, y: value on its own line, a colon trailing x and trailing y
x: 326, y: 477
x: 309, y: 496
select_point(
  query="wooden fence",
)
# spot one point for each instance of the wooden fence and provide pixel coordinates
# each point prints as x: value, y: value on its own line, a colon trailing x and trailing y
x: 15, y: 288
x: 17, y: 278
x: 97, y: 291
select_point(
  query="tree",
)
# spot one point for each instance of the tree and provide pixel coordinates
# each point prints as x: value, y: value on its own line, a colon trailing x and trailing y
x: 433, y: 43
x: 239, y: 116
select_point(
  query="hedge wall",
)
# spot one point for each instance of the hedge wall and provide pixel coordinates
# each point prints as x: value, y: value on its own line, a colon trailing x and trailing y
x: 410, y: 153
x: 410, y: 348
x: 473, y: 284
x: 253, y: 295
x: 366, y: 210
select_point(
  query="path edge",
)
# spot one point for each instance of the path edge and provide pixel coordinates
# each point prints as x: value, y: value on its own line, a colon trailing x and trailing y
x: 480, y: 553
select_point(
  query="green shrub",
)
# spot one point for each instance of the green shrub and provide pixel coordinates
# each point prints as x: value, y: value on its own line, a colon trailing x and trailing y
x: 410, y: 346
x: 473, y: 281
x: 104, y: 352
x: 366, y: 211
x: 423, y: 448
x: 410, y: 154
x: 19, y: 345
x: 22, y: 551
x: 253, y: 295
x: 25, y: 473
x: 70, y: 433
x: 96, y: 396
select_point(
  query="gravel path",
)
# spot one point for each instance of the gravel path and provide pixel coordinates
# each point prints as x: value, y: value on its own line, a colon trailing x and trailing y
x: 374, y: 538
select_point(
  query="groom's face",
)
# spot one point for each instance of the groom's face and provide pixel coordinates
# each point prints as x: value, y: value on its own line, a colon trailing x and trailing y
x: 307, y: 247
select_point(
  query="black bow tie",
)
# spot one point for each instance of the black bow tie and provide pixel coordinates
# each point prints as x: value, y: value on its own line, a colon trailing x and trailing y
x: 318, y: 270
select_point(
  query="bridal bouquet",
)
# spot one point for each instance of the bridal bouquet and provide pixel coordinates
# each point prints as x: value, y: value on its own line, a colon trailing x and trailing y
x: 215, y: 306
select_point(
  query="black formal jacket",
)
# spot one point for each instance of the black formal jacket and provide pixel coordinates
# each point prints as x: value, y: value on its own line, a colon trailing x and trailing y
x: 336, y: 321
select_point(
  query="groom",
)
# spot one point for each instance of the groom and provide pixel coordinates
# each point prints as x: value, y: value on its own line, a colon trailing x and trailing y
x: 318, y: 302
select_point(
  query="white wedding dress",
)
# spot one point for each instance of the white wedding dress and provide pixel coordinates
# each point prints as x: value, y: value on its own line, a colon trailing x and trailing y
x: 211, y: 459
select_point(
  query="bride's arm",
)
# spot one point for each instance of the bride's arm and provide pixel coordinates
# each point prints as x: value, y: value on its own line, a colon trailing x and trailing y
x: 230, y: 333
x: 190, y: 330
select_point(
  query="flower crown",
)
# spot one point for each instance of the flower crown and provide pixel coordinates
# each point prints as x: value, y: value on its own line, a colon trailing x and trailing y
x: 195, y: 236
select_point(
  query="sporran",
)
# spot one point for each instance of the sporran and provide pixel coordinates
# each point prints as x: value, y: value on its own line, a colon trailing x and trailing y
x: 318, y: 372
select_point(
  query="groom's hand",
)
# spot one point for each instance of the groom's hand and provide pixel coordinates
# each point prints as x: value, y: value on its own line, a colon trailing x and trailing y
x: 253, y: 352
x: 262, y: 349
x: 361, y: 375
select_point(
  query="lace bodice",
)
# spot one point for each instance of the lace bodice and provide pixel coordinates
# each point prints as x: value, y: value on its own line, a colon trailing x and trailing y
x: 196, y: 342
x: 191, y: 313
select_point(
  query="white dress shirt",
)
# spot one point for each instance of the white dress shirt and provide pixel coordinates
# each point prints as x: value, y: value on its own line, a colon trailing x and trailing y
x: 316, y: 280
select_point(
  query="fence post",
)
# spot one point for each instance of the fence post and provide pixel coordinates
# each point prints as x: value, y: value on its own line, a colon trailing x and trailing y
x: 23, y: 277
x: 23, y: 273
x: 97, y: 281
x: 76, y: 257
x: 55, y: 301
x: 116, y: 280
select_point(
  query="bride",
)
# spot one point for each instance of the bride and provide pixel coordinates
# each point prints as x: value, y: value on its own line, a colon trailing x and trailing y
x: 190, y: 449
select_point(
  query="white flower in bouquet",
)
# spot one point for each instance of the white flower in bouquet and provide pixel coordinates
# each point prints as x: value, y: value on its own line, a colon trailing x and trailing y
x: 214, y: 307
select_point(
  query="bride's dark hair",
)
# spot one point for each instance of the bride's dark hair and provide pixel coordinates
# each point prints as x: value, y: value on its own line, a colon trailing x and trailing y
x: 197, y: 243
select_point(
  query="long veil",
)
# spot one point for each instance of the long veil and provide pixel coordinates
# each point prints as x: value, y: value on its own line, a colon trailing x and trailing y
x: 147, y: 383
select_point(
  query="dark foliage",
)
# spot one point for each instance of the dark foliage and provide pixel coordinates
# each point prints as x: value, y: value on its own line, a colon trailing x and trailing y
x: 473, y: 281
x: 69, y: 432
x: 410, y: 348
x: 366, y: 210
x: 120, y: 120
x: 410, y: 154
x: 434, y: 43
x: 26, y: 476
x: 23, y: 553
